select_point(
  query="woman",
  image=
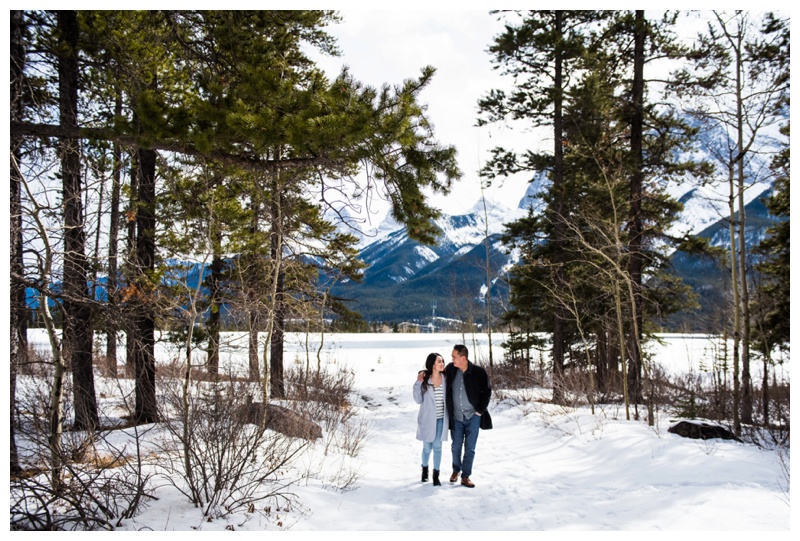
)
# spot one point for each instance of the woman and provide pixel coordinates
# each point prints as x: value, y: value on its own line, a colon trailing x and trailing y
x: 432, y: 420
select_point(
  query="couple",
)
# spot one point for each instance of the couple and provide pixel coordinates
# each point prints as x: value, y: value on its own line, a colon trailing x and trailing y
x: 456, y: 398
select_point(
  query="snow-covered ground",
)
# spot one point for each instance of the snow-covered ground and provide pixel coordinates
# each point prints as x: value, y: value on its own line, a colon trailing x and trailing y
x: 542, y: 467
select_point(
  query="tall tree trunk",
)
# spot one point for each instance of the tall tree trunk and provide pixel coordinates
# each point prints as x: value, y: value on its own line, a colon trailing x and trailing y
x: 112, y: 323
x: 747, y: 395
x: 602, y: 361
x: 737, y: 424
x: 765, y: 390
x: 128, y: 323
x: 56, y: 420
x: 214, y: 291
x: 253, y: 305
x: 747, y: 385
x: 635, y: 223
x: 324, y: 303
x: 18, y: 321
x: 146, y: 408
x: 252, y: 345
x: 622, y: 347
x: 277, y: 389
x: 271, y: 370
x: 98, y: 231
x: 77, y: 340
x: 557, y: 216
x: 214, y: 312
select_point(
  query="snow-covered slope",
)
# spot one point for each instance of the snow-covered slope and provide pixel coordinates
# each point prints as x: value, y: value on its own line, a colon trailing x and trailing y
x: 404, y: 277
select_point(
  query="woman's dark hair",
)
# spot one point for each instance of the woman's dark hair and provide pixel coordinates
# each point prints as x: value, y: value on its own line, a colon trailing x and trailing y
x: 428, y: 370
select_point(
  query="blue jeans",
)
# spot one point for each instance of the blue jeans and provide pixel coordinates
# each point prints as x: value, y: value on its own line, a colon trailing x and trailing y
x: 435, y: 446
x: 465, y: 435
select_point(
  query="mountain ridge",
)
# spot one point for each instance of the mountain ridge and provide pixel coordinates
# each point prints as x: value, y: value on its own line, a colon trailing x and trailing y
x: 404, y: 279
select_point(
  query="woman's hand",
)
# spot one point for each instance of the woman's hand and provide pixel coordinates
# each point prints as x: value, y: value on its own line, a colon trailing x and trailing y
x: 421, y: 375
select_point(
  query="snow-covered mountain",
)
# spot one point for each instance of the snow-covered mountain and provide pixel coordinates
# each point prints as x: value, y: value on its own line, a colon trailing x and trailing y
x: 405, y: 279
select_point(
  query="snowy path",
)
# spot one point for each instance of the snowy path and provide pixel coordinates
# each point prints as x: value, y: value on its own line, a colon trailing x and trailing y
x: 544, y: 469
x: 540, y: 469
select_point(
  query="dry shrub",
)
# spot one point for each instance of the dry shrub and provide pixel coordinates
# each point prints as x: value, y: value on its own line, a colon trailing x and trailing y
x: 39, y: 364
x: 328, y: 387
x: 326, y: 398
x: 100, y: 485
x: 578, y: 388
x: 175, y: 369
x: 107, y: 365
x: 214, y: 453
x: 513, y: 375
x: 323, y: 396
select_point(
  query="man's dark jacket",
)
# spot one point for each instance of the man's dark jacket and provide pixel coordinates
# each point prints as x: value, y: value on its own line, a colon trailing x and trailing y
x: 476, y: 383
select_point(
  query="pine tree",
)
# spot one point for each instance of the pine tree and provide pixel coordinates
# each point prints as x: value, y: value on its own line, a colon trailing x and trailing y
x: 772, y: 297
x: 235, y: 89
x: 776, y: 265
x: 608, y: 106
x: 541, y: 43
x: 78, y: 329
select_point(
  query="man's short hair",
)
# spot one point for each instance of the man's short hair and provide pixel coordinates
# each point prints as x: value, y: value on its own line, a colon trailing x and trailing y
x: 462, y: 350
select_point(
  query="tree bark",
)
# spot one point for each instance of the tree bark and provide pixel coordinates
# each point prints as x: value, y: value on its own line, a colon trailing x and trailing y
x: 635, y: 223
x: 488, y: 270
x: 277, y: 389
x: 214, y: 312
x: 146, y: 410
x: 747, y: 388
x: 276, y: 271
x: 112, y: 324
x: 557, y: 215
x: 18, y: 321
x: 128, y: 323
x: 253, y: 301
x: 602, y: 361
x: 737, y: 423
x: 252, y: 345
x: 78, y: 335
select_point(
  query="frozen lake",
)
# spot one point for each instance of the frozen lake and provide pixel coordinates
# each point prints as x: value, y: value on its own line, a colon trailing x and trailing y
x: 676, y: 353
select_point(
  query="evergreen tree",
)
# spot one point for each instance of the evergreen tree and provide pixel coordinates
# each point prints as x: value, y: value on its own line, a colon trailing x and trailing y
x: 602, y: 137
x: 775, y: 291
x: 659, y: 143
x: 549, y: 44
x: 771, y: 310
x: 772, y: 329
x: 235, y: 89
x: 78, y: 330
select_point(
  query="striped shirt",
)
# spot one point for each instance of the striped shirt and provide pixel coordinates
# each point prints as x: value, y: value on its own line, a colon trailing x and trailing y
x: 439, y: 397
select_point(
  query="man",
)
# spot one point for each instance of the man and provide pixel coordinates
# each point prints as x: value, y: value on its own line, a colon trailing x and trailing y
x: 468, y: 394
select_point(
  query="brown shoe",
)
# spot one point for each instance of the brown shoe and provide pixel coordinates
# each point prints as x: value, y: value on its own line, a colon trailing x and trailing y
x: 454, y: 477
x: 467, y: 483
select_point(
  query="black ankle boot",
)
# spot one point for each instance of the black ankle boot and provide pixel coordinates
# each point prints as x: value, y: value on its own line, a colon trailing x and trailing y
x: 424, y: 474
x: 436, y: 482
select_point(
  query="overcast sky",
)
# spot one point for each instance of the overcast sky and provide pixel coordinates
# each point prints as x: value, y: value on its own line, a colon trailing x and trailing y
x: 390, y: 46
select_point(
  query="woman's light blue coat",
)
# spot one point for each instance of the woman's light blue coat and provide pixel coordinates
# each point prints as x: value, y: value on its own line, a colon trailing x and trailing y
x: 426, y: 418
